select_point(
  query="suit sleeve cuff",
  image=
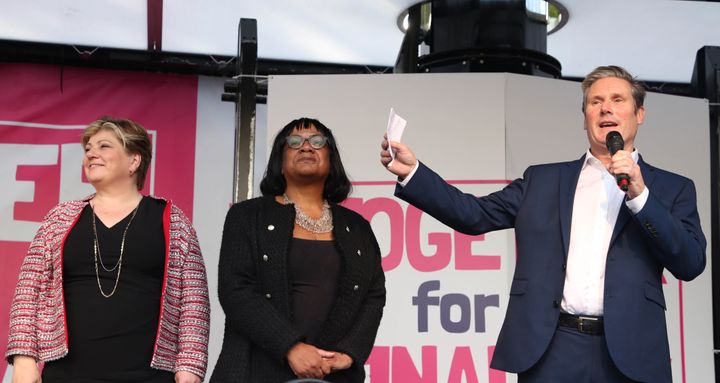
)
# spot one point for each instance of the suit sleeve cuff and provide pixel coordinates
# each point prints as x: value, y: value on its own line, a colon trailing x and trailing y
x: 636, y: 204
x: 405, y: 181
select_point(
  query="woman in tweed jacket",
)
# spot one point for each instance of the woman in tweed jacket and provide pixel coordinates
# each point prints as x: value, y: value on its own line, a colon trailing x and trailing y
x: 113, y: 287
x: 300, y: 277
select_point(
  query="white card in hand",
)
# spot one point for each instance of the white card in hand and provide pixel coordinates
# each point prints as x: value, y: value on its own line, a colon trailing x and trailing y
x: 396, y: 126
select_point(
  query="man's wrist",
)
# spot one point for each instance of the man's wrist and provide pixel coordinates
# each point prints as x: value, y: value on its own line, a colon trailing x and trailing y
x: 636, y: 204
x: 404, y: 181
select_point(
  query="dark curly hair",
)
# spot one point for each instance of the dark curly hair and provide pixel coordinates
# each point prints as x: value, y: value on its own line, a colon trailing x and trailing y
x: 337, y: 185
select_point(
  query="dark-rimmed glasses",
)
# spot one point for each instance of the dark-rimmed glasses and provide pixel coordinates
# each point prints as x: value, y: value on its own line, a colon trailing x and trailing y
x: 295, y: 141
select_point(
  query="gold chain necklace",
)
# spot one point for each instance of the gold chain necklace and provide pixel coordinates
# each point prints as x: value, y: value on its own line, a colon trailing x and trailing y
x: 324, y: 224
x: 98, y: 255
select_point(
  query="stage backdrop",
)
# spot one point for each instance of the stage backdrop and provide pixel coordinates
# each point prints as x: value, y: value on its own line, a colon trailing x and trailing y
x: 43, y: 110
x: 448, y: 292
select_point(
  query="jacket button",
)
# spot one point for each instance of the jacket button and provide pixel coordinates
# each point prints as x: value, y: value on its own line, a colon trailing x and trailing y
x: 356, y: 287
x: 347, y: 228
x: 556, y: 303
x: 271, y: 227
x: 268, y: 296
x: 359, y: 252
x: 265, y: 257
x: 564, y: 266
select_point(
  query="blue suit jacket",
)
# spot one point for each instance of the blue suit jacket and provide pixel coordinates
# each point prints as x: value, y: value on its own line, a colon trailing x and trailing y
x: 666, y: 233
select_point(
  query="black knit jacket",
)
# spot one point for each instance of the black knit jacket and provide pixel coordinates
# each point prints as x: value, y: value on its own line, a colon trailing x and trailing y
x: 254, y: 293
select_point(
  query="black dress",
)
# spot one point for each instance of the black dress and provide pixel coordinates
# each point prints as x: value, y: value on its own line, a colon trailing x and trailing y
x: 313, y: 270
x: 112, y: 339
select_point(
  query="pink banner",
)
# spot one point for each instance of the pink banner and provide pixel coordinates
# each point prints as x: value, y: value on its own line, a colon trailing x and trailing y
x: 43, y: 110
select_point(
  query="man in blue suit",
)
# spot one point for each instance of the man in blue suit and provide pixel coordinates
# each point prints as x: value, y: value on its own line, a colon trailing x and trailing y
x: 586, y: 301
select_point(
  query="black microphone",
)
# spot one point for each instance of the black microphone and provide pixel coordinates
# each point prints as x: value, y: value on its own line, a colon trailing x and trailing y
x: 615, y: 142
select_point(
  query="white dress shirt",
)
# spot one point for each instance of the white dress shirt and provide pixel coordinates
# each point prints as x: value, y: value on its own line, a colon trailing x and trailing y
x: 595, y: 209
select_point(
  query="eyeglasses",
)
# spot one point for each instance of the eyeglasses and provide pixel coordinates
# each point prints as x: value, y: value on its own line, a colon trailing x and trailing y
x: 296, y: 142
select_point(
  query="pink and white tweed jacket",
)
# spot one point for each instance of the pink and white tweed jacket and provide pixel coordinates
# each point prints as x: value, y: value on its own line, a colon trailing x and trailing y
x: 38, y: 325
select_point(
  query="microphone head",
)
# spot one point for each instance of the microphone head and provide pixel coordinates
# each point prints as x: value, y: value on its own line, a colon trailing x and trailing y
x: 614, y: 142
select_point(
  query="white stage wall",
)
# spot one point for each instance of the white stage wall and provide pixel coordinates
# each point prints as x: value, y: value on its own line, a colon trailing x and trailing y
x: 481, y: 131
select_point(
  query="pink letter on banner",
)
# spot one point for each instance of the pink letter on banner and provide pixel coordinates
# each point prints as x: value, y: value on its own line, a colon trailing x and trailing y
x: 379, y: 363
x: 47, y: 191
x: 403, y: 368
x: 368, y: 209
x: 48, y: 105
x: 442, y: 242
x: 462, y: 363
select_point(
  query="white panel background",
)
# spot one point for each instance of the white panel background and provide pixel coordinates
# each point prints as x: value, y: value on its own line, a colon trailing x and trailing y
x: 439, y: 107
x: 463, y: 125
x: 674, y: 137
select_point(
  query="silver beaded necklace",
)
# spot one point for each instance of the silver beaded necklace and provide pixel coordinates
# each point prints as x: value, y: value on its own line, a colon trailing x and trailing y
x: 98, y: 255
x: 324, y: 224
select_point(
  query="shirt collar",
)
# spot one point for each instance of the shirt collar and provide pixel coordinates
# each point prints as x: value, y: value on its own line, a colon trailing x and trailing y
x: 589, y: 157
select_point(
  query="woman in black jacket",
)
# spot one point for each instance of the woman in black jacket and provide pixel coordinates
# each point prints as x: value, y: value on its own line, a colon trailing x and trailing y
x: 300, y: 277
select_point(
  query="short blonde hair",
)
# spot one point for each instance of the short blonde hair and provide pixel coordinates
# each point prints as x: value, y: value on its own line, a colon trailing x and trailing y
x: 134, y: 139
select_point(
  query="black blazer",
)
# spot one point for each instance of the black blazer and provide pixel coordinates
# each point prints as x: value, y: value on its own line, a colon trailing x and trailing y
x: 254, y: 293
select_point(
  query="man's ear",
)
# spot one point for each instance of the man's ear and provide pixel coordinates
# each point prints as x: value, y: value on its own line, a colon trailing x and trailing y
x: 640, y: 115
